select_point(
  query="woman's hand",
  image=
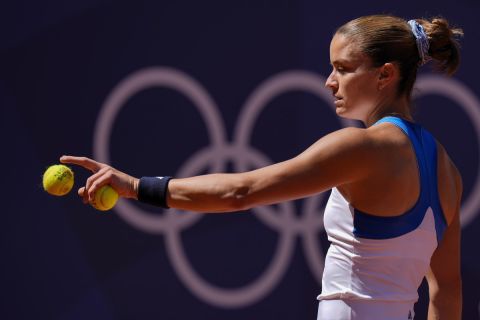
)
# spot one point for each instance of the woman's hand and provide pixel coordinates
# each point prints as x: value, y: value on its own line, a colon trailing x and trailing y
x: 103, y: 174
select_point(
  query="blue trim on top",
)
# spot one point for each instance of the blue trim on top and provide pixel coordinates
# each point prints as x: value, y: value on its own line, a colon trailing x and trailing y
x: 430, y: 147
x: 376, y: 227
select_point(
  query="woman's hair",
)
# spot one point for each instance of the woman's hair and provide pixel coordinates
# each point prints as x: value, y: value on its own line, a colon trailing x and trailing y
x: 387, y: 38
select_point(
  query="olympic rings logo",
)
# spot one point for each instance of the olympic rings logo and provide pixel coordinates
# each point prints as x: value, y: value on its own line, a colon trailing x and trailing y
x: 244, y: 156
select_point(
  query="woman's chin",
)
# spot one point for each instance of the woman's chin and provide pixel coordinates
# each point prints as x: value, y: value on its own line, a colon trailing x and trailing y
x: 343, y: 113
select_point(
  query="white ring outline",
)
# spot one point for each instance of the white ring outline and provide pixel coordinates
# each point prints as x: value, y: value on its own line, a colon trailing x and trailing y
x: 134, y: 83
x: 237, y: 297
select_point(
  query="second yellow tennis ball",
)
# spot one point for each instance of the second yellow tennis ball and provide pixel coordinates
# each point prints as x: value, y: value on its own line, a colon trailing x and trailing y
x: 105, y: 198
x: 58, y: 180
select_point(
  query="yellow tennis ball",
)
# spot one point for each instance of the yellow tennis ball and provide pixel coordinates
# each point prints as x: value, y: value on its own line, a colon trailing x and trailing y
x: 58, y: 180
x: 105, y: 198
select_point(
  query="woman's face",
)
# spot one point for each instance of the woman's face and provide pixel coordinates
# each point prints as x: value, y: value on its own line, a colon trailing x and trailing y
x: 353, y: 81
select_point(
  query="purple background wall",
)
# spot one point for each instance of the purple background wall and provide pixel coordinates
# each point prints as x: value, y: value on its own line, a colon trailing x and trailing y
x: 60, y: 64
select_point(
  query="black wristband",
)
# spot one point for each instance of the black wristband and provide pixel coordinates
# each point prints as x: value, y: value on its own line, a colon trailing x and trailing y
x: 153, y: 190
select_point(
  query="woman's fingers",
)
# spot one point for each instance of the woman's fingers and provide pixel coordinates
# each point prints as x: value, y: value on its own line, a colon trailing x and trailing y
x: 99, y: 182
x: 103, y: 174
x: 94, y: 177
x: 83, y: 194
x: 85, y: 162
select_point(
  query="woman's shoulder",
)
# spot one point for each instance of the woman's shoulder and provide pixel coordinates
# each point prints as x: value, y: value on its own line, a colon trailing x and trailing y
x: 388, y: 134
x: 389, y: 137
x: 371, y: 143
x: 384, y: 133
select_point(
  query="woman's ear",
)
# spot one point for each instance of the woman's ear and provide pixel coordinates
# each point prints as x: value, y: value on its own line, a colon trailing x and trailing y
x: 388, y: 75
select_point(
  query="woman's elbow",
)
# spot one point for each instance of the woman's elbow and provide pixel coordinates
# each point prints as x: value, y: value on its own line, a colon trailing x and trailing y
x: 240, y: 199
x: 240, y: 195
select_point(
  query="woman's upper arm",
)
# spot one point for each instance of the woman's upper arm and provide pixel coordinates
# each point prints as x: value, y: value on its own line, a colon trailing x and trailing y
x: 445, y: 270
x: 341, y: 157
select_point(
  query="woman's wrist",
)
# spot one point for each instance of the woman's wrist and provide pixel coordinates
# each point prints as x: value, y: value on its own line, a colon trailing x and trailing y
x: 153, y: 190
x: 134, y: 188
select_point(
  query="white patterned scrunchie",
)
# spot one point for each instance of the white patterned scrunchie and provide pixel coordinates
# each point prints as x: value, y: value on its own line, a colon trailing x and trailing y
x: 422, y: 41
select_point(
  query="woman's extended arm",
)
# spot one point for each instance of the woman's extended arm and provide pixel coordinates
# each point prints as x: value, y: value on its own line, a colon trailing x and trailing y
x: 334, y: 160
x: 341, y: 157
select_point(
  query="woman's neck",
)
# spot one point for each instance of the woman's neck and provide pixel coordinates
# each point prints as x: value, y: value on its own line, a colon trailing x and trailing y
x: 399, y: 108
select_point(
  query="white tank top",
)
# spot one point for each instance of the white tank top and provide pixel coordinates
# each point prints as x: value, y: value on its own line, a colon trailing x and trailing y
x: 385, y: 258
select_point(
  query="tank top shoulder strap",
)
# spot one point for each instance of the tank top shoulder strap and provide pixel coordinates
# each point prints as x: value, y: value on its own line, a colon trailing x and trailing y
x: 375, y: 227
x: 430, y: 152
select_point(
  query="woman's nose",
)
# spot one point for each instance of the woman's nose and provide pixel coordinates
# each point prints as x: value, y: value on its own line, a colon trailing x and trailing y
x: 331, y: 82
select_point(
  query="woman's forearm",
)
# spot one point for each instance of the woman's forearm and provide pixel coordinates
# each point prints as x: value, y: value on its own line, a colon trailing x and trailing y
x: 222, y: 192
x: 446, y: 304
x: 226, y: 192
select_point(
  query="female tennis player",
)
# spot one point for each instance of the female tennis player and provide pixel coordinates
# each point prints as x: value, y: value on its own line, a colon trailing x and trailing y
x: 393, y: 213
